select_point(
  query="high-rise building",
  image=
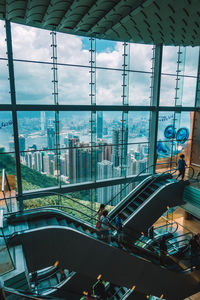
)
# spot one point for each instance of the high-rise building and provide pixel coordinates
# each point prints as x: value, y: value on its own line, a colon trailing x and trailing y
x: 51, y: 140
x: 116, y: 188
x: 116, y: 141
x: 11, y: 146
x: 105, y: 170
x: 43, y: 121
x: 73, y: 143
x: 99, y: 124
x: 22, y: 144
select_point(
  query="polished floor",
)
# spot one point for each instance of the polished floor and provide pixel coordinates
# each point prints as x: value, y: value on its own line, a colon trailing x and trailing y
x: 185, y: 225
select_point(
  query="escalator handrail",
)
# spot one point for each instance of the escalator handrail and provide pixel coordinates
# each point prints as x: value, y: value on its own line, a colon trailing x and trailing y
x: 177, y: 224
x: 21, y: 294
x: 57, y: 194
x: 154, y: 180
x: 184, y: 227
x: 153, y: 165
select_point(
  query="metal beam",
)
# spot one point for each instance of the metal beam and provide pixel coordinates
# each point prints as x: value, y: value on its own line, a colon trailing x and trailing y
x: 197, y: 97
x: 43, y: 107
x: 156, y: 79
x: 81, y: 186
x: 14, y: 113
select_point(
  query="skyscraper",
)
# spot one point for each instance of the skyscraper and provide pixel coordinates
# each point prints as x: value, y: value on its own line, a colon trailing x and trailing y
x: 72, y: 158
x: 116, y: 138
x: 99, y: 124
x: 22, y: 144
x: 51, y: 141
x: 104, y: 169
x: 42, y: 120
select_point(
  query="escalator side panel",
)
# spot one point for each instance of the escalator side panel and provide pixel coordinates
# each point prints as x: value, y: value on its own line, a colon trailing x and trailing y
x: 91, y: 257
x: 170, y: 195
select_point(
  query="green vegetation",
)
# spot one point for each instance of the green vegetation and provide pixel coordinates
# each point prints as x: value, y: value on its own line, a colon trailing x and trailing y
x: 32, y: 180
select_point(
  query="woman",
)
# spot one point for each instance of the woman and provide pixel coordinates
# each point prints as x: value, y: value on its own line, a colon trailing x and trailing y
x: 99, y: 214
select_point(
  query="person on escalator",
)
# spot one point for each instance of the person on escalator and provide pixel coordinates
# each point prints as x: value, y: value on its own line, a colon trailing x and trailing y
x: 119, y: 226
x: 99, y: 214
x: 181, y: 166
x: 106, y: 226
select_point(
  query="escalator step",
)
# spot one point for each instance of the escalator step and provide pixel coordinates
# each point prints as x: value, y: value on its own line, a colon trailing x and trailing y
x: 63, y: 222
x: 130, y: 209
x: 72, y: 225
x: 21, y: 226
x: 52, y: 221
x: 37, y: 223
x: 80, y: 228
x: 126, y: 213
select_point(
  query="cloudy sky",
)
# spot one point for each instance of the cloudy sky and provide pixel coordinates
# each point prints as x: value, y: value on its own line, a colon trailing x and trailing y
x: 34, y: 81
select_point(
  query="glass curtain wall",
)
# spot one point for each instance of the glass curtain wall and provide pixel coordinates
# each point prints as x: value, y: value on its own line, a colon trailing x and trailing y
x: 77, y: 111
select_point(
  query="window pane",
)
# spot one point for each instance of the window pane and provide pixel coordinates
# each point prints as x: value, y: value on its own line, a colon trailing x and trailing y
x: 6, y: 132
x: 108, y: 148
x: 75, y: 160
x: 31, y: 43
x: 4, y: 83
x: 169, y: 60
x: 3, y: 47
x: 139, y: 88
x: 7, y: 162
x: 73, y: 85
x: 73, y: 49
x: 141, y: 57
x: 173, y: 134
x: 191, y: 61
x: 39, y: 169
x: 36, y: 130
x: 33, y: 83
x: 109, y: 54
x: 189, y: 91
x: 109, y: 87
x: 167, y: 90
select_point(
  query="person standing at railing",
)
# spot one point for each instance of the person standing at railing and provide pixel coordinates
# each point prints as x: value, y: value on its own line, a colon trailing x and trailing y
x: 181, y: 166
x: 2, y: 293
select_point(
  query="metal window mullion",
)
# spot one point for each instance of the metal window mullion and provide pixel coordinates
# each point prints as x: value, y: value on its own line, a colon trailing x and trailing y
x: 125, y: 102
x: 93, y: 117
x: 178, y: 93
x: 155, y: 100
x: 55, y: 96
x: 14, y: 111
x: 197, y: 97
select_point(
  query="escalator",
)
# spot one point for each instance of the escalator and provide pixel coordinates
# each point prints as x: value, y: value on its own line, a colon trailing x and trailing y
x: 50, y: 235
x: 147, y: 202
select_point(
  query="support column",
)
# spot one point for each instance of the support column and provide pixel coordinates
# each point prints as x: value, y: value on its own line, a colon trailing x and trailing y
x: 155, y: 99
x: 93, y: 117
x: 14, y: 112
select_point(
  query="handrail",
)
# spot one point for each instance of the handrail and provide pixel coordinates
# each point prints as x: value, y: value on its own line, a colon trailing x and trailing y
x: 154, y: 180
x: 19, y: 293
x: 184, y: 227
x: 62, y: 195
x: 154, y: 165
